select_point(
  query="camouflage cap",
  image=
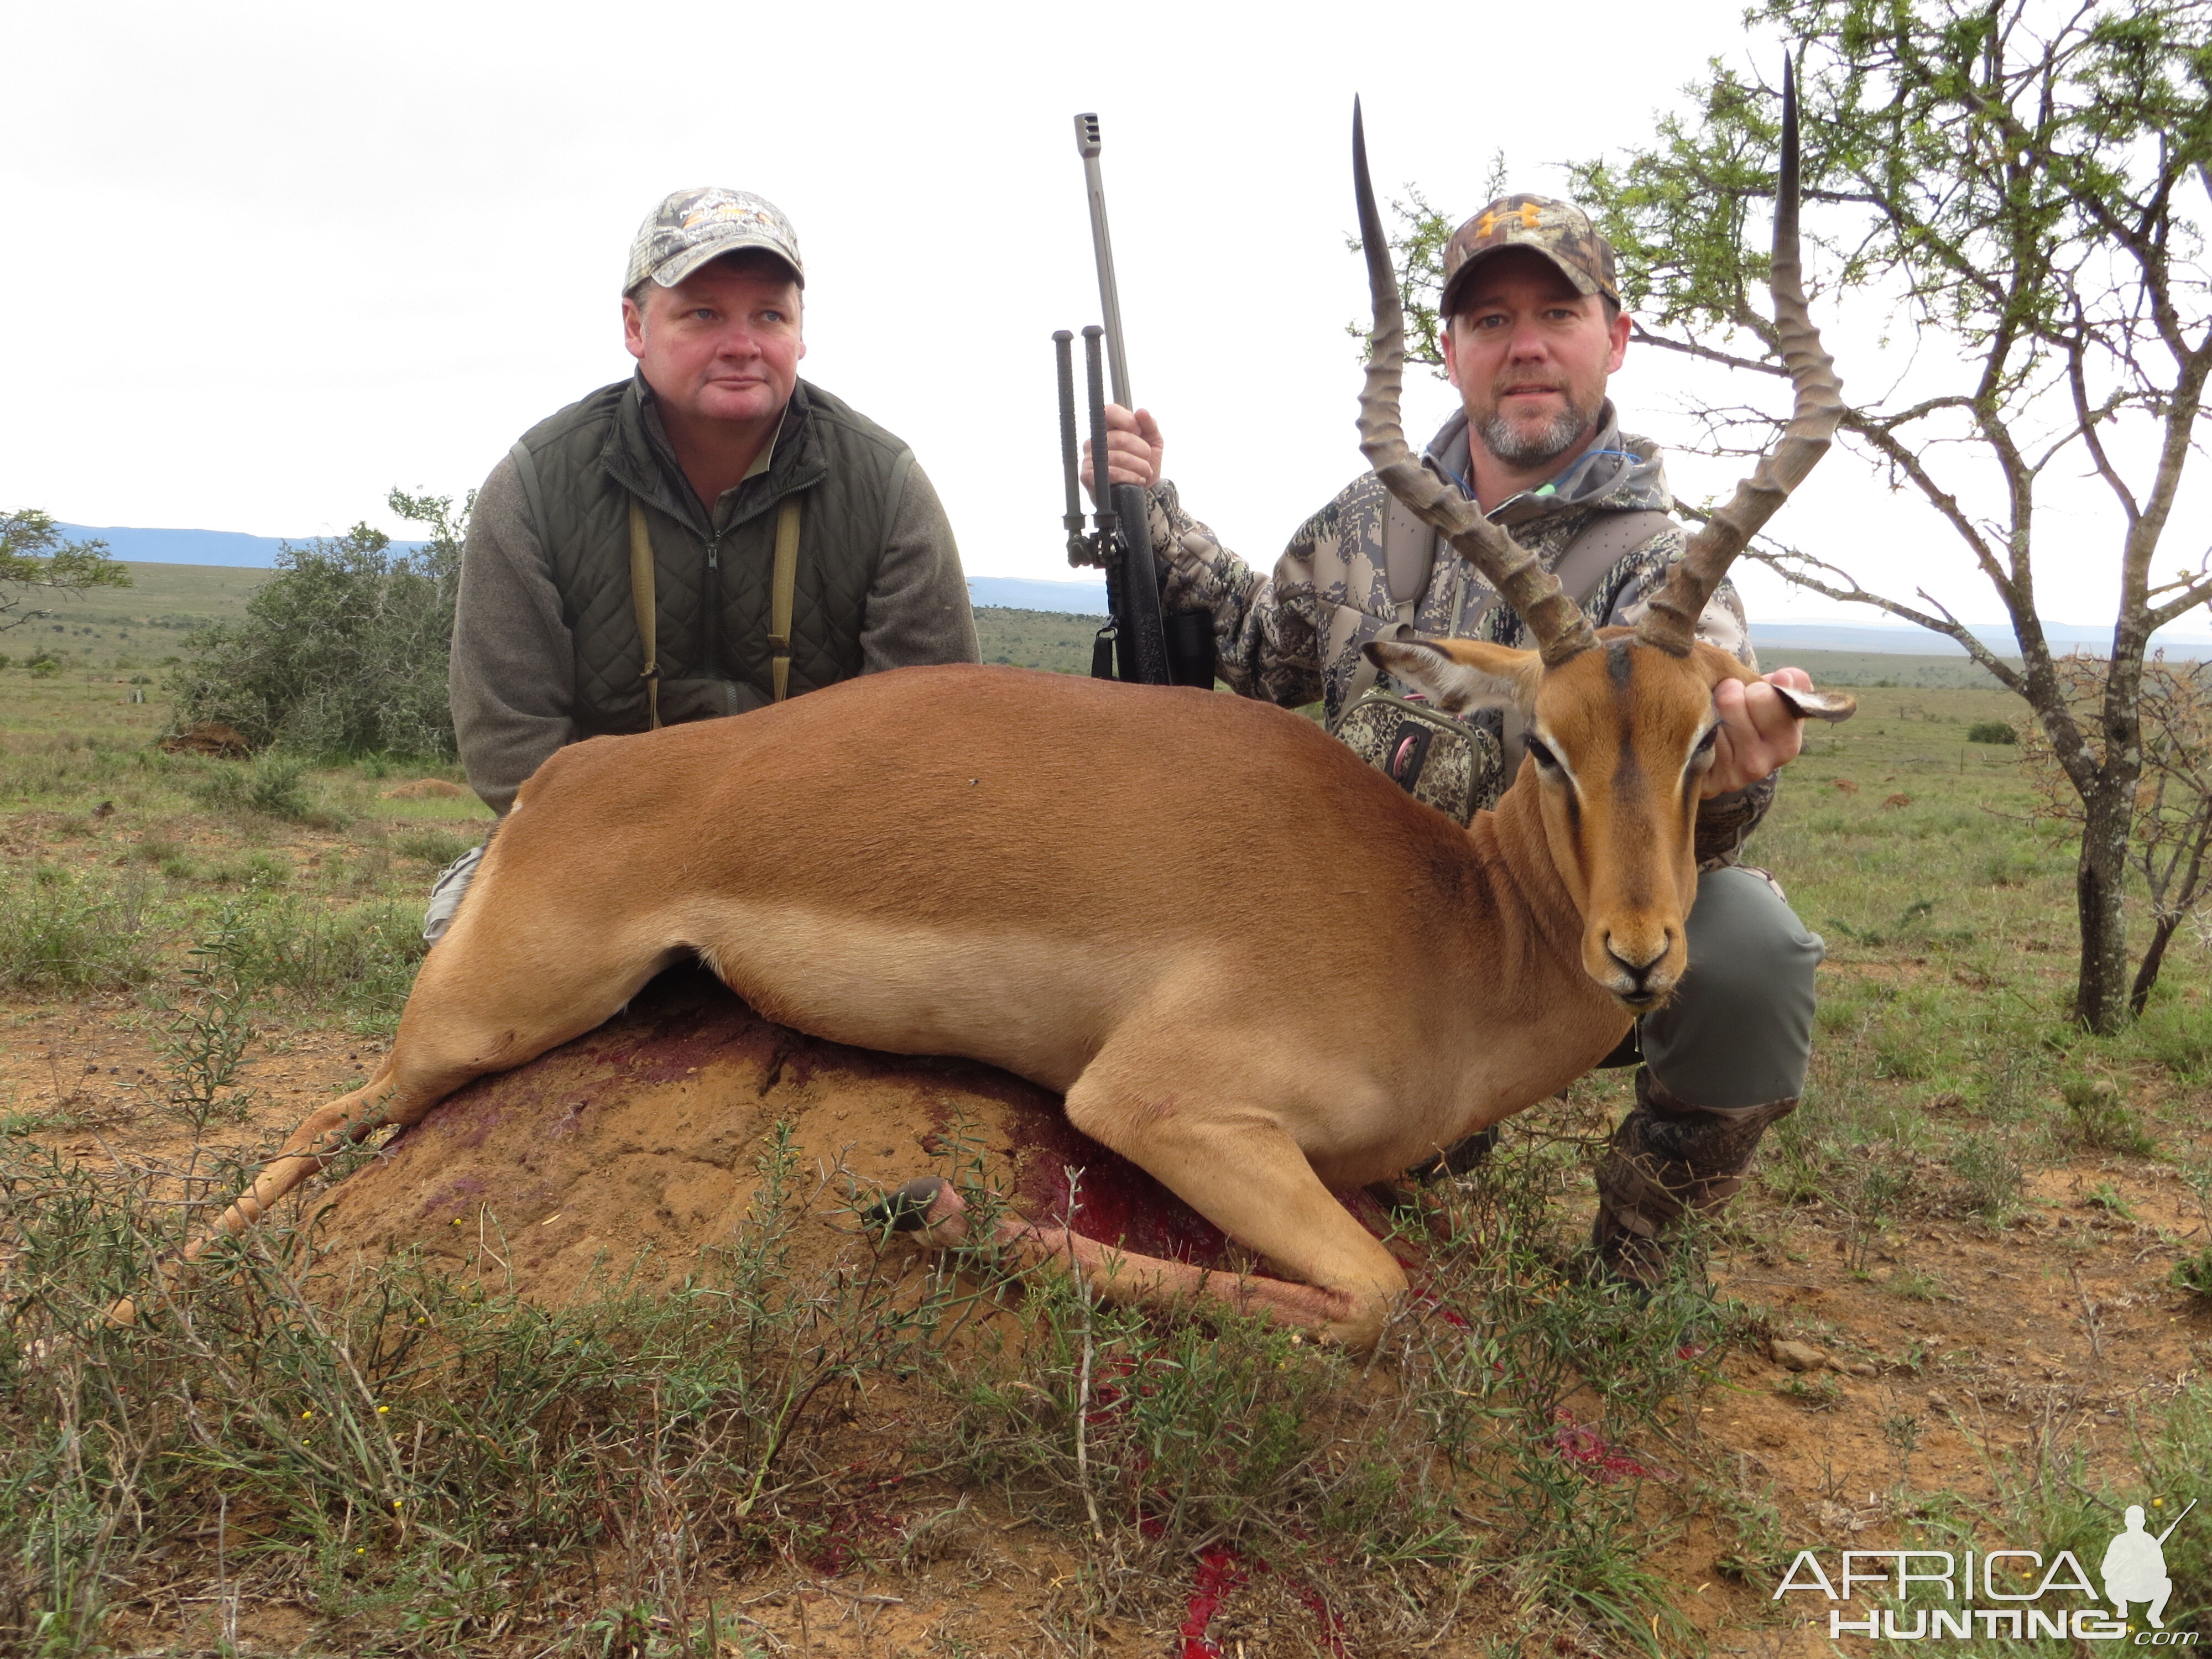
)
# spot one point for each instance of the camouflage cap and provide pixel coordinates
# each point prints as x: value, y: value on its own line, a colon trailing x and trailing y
x: 1561, y: 231
x: 692, y: 227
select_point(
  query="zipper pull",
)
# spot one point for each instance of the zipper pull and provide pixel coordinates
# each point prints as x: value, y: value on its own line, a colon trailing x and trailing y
x: 713, y: 553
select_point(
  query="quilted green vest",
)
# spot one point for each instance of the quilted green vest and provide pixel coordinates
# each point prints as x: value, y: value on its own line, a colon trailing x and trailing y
x: 712, y: 579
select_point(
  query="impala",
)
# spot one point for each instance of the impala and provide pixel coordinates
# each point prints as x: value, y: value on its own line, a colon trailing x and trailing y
x: 960, y: 860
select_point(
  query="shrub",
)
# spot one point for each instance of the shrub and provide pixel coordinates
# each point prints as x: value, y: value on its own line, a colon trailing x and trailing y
x: 65, y: 934
x: 2178, y: 1035
x: 361, y: 961
x: 1991, y: 732
x: 435, y: 847
x: 343, y: 650
x: 1991, y: 1175
x: 275, y: 785
x: 2102, y: 1118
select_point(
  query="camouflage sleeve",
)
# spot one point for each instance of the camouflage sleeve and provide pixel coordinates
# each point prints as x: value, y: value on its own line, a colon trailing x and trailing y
x: 1265, y: 629
x: 1725, y: 822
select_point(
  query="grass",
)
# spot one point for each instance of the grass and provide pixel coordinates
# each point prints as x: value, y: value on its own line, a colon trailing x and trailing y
x: 416, y: 1458
x: 123, y: 858
x: 433, y: 1466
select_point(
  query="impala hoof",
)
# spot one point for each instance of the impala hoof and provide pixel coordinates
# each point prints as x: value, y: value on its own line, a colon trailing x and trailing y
x: 927, y: 1206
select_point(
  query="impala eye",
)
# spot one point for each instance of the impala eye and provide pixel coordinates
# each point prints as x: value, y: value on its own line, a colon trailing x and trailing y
x: 1545, y: 759
x: 1703, y: 754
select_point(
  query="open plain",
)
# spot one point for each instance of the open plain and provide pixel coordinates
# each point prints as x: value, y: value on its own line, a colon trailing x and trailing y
x: 600, y: 1361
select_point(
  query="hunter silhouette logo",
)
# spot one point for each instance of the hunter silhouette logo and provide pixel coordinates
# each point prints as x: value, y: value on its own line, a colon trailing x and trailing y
x: 1975, y: 1594
x: 2134, y: 1567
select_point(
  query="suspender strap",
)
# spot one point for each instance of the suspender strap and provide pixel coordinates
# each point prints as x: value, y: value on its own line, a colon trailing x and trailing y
x: 642, y: 598
x: 1409, y: 556
x: 1607, y: 539
x: 1409, y: 548
x: 786, y: 578
x: 1366, y: 673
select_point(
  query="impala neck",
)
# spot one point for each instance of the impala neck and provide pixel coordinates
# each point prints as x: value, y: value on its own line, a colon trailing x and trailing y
x: 1526, y: 877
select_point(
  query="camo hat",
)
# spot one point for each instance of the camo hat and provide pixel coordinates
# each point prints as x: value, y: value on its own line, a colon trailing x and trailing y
x: 1561, y: 231
x: 694, y: 226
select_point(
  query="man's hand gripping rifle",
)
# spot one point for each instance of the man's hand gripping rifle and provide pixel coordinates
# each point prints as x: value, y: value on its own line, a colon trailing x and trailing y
x: 1137, y: 644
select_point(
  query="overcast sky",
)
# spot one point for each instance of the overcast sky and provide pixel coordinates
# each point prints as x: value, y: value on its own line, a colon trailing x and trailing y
x: 264, y: 262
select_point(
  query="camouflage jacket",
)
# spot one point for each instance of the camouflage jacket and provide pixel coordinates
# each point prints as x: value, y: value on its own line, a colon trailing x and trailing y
x: 1294, y: 637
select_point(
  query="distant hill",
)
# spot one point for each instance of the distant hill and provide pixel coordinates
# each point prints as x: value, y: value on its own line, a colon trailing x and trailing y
x: 1088, y: 599
x: 1771, y: 637
x: 231, y: 549
x: 1077, y: 598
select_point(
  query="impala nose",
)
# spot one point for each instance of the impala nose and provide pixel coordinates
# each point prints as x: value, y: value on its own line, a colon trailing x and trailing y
x: 1635, y: 961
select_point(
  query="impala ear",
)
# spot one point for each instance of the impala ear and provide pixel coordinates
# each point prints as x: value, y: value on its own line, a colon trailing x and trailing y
x: 1821, y: 705
x: 1459, y: 675
x: 1808, y: 705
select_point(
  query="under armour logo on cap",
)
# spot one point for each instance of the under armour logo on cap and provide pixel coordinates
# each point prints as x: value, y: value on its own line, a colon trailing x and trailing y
x: 1559, y: 231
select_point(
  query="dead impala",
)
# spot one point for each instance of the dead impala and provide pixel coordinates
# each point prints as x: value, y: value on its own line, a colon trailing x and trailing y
x: 914, y: 862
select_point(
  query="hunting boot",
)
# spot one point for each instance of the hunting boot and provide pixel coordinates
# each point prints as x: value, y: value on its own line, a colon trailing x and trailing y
x: 1668, y: 1157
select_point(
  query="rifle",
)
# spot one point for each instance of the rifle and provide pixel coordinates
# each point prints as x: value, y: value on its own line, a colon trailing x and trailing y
x: 2178, y: 1520
x: 1136, y: 643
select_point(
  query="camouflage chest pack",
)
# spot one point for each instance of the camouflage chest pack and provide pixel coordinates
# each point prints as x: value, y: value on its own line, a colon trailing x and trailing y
x: 1459, y: 767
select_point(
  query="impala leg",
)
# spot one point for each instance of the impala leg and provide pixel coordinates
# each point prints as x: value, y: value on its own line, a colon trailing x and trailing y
x: 1246, y: 1175
x: 1240, y: 1169
x: 483, y: 1002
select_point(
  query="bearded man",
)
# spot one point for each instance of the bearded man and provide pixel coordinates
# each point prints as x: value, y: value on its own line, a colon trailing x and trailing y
x: 1531, y: 329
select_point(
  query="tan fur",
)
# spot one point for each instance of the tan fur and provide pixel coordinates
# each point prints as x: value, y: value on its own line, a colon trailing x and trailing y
x: 1250, y: 963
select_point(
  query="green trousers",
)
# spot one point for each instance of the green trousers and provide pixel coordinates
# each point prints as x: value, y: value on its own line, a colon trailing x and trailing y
x: 1739, y: 1029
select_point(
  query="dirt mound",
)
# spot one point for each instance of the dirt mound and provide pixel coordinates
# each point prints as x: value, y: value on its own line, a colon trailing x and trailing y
x: 637, y: 1145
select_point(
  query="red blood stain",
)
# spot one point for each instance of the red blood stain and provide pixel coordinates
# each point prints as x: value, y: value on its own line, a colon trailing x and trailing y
x: 1117, y: 1203
x: 1332, y: 1623
x: 1219, y: 1571
x: 1587, y: 1450
x: 1111, y: 1200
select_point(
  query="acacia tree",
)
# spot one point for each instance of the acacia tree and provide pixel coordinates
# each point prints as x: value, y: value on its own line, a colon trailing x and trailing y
x: 35, y: 558
x: 2027, y: 179
x: 2172, y: 845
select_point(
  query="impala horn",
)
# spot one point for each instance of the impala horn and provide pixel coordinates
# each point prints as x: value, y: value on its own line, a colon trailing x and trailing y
x: 1555, y: 621
x: 1672, y: 622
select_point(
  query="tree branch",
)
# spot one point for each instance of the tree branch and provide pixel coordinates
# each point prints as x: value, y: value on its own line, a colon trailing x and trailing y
x: 1910, y: 463
x: 1691, y: 349
x: 1793, y: 565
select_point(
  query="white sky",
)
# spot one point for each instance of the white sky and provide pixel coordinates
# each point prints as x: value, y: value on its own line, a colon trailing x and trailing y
x: 263, y: 262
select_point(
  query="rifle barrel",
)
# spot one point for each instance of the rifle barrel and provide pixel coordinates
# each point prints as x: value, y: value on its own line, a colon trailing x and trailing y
x: 1087, y: 143
x: 2178, y: 1520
